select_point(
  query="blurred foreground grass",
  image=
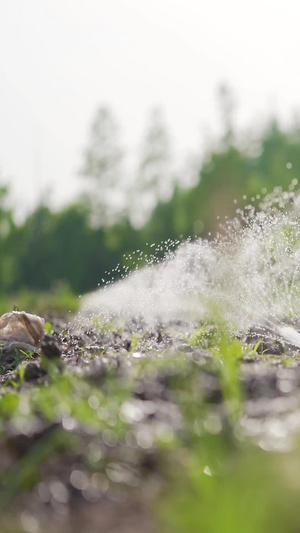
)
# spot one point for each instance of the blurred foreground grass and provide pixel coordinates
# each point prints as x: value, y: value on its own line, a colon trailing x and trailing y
x: 219, y: 487
x: 217, y: 480
x: 91, y: 421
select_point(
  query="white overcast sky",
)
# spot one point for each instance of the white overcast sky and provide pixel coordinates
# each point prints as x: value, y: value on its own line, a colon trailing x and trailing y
x: 61, y: 59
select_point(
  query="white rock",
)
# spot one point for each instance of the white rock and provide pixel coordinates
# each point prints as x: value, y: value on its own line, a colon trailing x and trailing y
x: 22, y: 327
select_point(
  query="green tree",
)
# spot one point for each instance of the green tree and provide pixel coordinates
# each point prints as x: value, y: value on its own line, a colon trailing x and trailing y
x: 278, y: 162
x: 227, y: 105
x: 199, y: 210
x: 8, y: 264
x: 154, y: 179
x: 103, y: 168
x: 229, y: 177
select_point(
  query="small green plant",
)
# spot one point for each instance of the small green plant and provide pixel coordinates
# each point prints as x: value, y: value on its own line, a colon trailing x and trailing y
x: 20, y: 372
x: 252, y: 351
x: 13, y: 359
x: 134, y: 342
x: 204, y: 337
x: 104, y: 325
x: 48, y: 328
x: 28, y: 355
x: 228, y: 355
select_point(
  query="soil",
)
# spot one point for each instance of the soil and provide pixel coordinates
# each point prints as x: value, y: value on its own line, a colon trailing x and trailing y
x: 123, y: 497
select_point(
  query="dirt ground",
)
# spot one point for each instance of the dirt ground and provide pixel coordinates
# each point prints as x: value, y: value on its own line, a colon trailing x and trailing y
x: 66, y: 494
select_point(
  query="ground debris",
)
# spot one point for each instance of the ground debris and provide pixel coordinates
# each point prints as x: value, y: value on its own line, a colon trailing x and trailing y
x: 93, y: 430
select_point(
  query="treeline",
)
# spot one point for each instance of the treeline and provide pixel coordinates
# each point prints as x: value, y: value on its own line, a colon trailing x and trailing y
x: 84, y: 241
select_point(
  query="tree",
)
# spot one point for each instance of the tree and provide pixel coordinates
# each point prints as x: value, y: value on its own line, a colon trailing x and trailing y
x: 8, y: 264
x: 226, y: 102
x: 154, y: 180
x: 103, y: 167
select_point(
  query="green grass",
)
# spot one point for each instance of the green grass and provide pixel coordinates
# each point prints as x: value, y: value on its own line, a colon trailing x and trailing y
x: 223, y: 482
x: 222, y: 488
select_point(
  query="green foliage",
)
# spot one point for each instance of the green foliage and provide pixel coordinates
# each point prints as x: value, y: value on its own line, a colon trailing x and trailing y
x: 229, y: 177
x: 48, y: 328
x: 229, y: 355
x: 103, y: 168
x: 14, y: 360
x: 20, y: 372
x: 220, y: 475
x: 205, y: 337
x: 134, y: 343
x: 248, y: 490
x: 154, y: 179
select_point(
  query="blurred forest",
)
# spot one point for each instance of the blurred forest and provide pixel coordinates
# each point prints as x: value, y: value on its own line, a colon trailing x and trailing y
x: 74, y: 249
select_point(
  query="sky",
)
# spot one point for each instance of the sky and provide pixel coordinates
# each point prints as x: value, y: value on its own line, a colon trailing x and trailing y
x: 61, y: 59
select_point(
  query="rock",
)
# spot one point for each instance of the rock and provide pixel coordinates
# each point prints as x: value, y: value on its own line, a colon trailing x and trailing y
x: 50, y: 347
x: 33, y: 372
x: 21, y: 327
x: 96, y: 371
x: 272, y: 347
x: 127, y: 344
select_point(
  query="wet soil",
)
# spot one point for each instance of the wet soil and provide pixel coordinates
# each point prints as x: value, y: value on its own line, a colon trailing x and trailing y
x: 119, y: 496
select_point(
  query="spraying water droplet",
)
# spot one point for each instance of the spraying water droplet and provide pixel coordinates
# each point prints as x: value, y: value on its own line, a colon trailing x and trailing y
x: 248, y: 273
